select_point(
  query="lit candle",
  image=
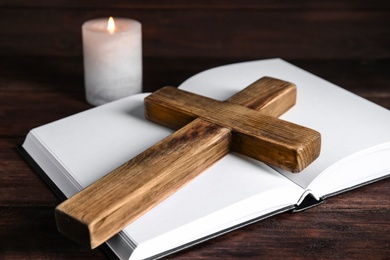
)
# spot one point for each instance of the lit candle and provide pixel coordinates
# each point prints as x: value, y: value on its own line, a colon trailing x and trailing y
x: 112, y: 59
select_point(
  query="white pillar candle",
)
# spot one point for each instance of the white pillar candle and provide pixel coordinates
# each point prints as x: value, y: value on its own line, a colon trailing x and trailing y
x: 112, y: 59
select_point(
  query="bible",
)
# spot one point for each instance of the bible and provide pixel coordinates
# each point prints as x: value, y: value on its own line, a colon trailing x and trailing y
x: 74, y: 152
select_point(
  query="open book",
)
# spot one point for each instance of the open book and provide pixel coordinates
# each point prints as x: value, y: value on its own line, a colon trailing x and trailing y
x: 73, y: 152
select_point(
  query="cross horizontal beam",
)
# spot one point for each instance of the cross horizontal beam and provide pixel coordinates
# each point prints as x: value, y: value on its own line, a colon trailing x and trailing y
x: 262, y: 137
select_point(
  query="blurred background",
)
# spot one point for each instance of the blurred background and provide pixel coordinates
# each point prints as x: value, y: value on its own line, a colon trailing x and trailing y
x: 334, y: 39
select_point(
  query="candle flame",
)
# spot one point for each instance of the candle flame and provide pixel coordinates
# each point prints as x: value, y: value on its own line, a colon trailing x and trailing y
x: 111, y: 25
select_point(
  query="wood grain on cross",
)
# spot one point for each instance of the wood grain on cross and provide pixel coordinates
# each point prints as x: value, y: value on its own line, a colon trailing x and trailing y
x: 209, y: 129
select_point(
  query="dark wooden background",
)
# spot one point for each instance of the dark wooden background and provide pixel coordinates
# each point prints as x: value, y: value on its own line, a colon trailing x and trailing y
x: 41, y: 79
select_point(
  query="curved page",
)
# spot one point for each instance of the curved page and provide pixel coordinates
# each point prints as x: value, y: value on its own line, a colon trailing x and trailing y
x: 348, y: 124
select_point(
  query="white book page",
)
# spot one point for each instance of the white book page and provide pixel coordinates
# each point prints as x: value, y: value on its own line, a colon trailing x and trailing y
x: 348, y: 124
x: 90, y: 144
x: 206, y: 212
x: 227, y: 184
x: 95, y: 142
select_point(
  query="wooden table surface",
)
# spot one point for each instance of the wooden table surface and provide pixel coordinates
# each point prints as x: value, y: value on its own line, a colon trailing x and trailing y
x: 37, y: 91
x: 41, y: 79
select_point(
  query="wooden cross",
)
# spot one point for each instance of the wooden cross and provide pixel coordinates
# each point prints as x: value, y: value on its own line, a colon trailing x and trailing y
x: 210, y: 130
